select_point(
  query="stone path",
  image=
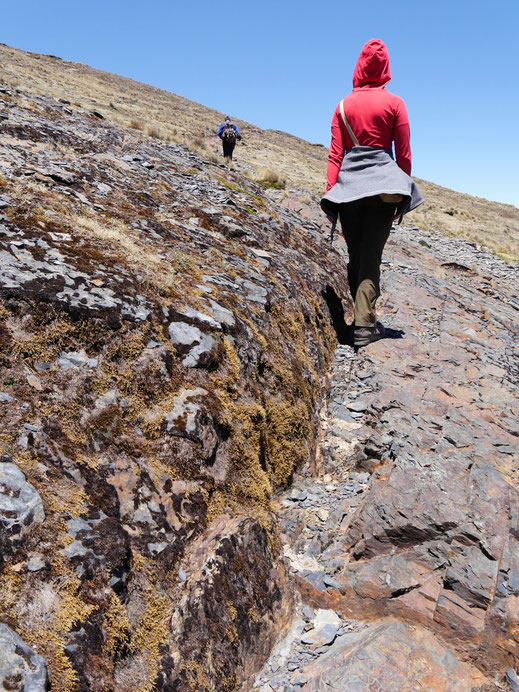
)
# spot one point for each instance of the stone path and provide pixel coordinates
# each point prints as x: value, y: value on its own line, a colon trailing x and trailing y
x: 402, y: 539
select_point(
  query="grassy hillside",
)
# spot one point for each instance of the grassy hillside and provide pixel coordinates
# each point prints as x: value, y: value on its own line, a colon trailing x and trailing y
x: 167, y: 116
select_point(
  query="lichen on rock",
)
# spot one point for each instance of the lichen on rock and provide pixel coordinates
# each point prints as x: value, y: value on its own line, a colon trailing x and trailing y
x: 163, y: 354
x: 20, y: 506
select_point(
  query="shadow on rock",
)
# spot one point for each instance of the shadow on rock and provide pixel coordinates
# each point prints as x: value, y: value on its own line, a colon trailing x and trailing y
x: 389, y: 334
x: 394, y: 333
x: 343, y: 331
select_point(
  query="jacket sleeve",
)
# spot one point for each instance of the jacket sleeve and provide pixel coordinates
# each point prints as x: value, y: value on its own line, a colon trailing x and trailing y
x: 220, y: 130
x: 236, y: 128
x: 401, y: 137
x: 336, y: 152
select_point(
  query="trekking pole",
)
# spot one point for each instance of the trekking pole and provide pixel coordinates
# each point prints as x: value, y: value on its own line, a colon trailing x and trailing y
x: 332, y: 230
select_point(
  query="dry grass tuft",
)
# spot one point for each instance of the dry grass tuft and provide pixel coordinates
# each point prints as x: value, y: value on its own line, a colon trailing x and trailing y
x: 137, y: 254
x: 269, y: 178
x: 155, y: 132
x: 137, y: 125
x: 203, y: 147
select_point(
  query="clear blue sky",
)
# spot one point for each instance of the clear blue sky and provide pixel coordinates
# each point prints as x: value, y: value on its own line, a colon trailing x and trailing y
x: 286, y: 64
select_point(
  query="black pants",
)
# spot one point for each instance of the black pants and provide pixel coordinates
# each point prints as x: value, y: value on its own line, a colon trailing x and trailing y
x: 366, y: 224
x: 228, y: 148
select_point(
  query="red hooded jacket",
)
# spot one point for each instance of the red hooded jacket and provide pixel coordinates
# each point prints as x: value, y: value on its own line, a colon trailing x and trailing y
x: 376, y: 117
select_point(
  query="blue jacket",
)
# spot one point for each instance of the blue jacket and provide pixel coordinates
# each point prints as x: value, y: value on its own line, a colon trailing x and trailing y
x: 224, y: 124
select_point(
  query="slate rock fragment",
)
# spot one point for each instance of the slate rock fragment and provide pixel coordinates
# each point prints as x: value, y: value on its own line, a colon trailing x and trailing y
x: 188, y: 419
x: 366, y: 660
x: 76, y: 359
x: 20, y: 503
x: 21, y: 668
x: 512, y: 680
x: 191, y: 341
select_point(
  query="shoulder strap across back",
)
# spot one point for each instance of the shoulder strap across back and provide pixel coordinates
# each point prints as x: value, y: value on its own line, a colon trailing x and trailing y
x: 346, y: 123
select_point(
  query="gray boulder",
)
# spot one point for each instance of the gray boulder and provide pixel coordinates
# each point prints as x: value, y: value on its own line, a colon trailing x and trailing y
x: 20, y: 503
x: 188, y: 419
x: 21, y: 668
x: 189, y: 340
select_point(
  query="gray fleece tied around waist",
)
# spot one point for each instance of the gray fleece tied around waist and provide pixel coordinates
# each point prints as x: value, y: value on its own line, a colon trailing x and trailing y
x: 370, y: 171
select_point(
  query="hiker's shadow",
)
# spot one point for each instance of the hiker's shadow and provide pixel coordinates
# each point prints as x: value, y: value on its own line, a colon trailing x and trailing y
x: 394, y: 333
x: 389, y: 334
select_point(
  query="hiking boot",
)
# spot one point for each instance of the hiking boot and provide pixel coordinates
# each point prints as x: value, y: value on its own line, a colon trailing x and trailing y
x: 362, y: 336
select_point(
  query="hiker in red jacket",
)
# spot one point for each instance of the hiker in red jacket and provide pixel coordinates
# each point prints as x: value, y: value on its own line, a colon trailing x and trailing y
x: 365, y: 187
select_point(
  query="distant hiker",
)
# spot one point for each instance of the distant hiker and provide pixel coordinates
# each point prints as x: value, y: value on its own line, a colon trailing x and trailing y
x: 365, y: 187
x: 228, y: 133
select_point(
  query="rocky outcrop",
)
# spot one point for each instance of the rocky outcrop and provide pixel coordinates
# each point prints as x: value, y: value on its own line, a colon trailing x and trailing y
x: 390, y: 656
x: 164, y: 343
x: 406, y: 526
x: 438, y: 521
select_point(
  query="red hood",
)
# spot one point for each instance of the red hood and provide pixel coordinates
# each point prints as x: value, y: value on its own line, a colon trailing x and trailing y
x: 372, y: 68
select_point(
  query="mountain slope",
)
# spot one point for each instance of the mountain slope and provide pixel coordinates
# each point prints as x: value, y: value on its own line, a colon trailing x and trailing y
x: 302, y: 164
x: 186, y: 453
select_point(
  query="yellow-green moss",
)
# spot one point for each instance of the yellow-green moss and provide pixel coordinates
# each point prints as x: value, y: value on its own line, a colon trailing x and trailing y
x: 289, y: 438
x: 231, y: 359
x: 217, y: 504
x: 50, y: 638
x: 116, y: 624
x: 151, y: 630
x: 196, y: 677
x: 46, y: 343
